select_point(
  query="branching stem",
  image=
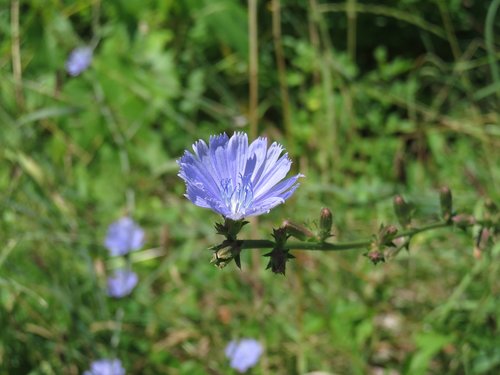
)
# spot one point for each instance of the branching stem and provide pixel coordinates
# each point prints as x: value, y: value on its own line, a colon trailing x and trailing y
x: 325, y: 246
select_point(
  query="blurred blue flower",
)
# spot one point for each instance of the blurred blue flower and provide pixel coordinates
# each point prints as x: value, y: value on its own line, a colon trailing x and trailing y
x: 106, y: 367
x: 123, y: 236
x: 121, y: 283
x: 79, y: 59
x: 236, y: 179
x: 243, y: 354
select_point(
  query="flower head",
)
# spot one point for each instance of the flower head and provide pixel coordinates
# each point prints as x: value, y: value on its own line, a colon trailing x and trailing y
x: 124, y: 236
x: 243, y: 354
x: 106, y: 367
x: 79, y: 59
x: 236, y: 179
x: 121, y: 283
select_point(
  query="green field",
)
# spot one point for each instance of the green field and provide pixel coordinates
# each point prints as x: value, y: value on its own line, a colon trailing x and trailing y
x: 370, y: 99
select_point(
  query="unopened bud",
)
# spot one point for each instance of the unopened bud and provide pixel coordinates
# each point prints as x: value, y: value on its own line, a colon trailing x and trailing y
x: 325, y: 223
x: 225, y: 253
x: 222, y: 257
x: 402, y: 210
x: 386, y: 234
x: 445, y: 199
x: 296, y: 230
x: 376, y: 256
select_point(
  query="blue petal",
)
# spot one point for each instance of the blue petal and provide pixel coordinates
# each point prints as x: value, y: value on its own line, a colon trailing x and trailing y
x: 280, y: 188
x: 257, y: 150
x: 194, y: 171
x: 264, y: 206
x: 270, y: 159
x: 274, y: 174
x: 217, y: 145
x: 236, y: 156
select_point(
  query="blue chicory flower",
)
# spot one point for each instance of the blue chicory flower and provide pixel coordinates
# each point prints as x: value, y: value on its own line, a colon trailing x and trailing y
x: 121, y: 283
x: 124, y: 236
x: 79, y: 60
x: 243, y: 354
x: 236, y: 179
x: 106, y: 367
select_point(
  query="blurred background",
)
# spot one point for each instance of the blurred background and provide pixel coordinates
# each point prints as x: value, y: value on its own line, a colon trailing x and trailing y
x: 369, y: 98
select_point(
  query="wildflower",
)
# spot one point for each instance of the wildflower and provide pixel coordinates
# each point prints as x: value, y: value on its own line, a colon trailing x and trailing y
x: 106, y: 367
x: 236, y: 179
x: 122, y: 283
x: 79, y: 60
x: 124, y: 236
x: 243, y: 354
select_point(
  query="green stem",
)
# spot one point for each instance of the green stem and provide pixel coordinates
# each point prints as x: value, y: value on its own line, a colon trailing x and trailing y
x: 324, y: 246
x: 489, y: 36
x: 412, y: 232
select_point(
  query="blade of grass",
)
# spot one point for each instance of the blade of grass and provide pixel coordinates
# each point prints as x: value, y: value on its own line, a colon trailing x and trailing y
x: 387, y: 12
x: 489, y: 39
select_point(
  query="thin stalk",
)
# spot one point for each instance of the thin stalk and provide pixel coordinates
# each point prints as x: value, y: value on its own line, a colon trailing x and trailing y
x: 387, y: 12
x: 96, y: 26
x: 351, y: 29
x: 253, y: 69
x: 115, y: 338
x: 253, y: 84
x: 452, y: 38
x: 327, y: 68
x: 120, y: 141
x: 489, y: 36
x: 16, y: 53
x: 314, y: 37
x: 281, y: 64
x: 449, y: 29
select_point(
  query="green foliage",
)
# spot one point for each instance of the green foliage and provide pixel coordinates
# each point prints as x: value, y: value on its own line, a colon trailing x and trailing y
x: 400, y: 98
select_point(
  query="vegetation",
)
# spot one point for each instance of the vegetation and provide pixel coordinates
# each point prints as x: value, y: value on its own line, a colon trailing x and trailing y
x: 371, y: 99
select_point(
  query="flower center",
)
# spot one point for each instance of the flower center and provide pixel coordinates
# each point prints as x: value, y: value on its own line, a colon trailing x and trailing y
x: 237, y: 198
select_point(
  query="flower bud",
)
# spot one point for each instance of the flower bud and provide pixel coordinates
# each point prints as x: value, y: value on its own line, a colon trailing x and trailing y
x: 325, y: 224
x: 386, y: 234
x: 225, y: 252
x: 402, y: 210
x: 296, y: 230
x: 375, y: 255
x: 222, y: 257
x: 446, y: 203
